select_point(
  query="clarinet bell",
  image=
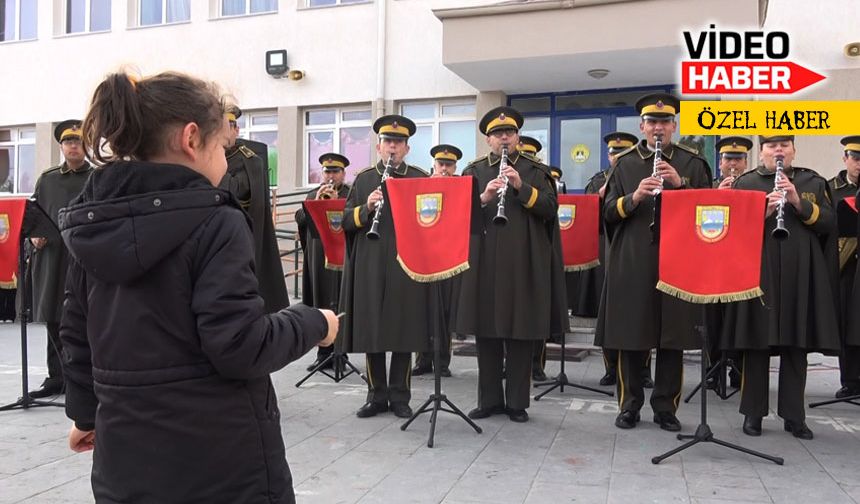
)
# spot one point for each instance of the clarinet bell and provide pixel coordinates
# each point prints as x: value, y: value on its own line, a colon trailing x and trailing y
x: 780, y: 233
x: 500, y: 220
x: 373, y: 234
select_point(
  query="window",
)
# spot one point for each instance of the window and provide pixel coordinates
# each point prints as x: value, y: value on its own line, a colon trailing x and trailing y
x: 17, y: 159
x: 155, y: 12
x: 262, y: 126
x: 539, y: 128
x: 327, y: 3
x: 243, y: 7
x: 450, y: 122
x: 87, y: 16
x: 347, y: 131
x: 17, y: 20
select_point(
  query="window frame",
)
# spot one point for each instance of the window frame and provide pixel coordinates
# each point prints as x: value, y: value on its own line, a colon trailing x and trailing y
x: 335, y: 128
x: 338, y: 3
x: 247, y: 10
x: 17, y: 37
x: 15, y: 144
x: 439, y: 118
x: 139, y: 15
x: 87, y: 19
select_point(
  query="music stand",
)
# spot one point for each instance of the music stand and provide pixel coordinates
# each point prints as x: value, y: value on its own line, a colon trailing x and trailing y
x: 34, y: 223
x: 434, y: 403
x: 720, y: 369
x: 560, y: 381
x: 337, y: 358
x: 703, y: 432
x: 847, y: 221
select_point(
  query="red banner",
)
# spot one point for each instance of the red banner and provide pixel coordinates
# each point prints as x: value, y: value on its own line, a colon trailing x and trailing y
x: 851, y: 201
x: 327, y: 219
x: 431, y: 225
x: 710, y: 244
x: 11, y: 215
x: 579, y: 223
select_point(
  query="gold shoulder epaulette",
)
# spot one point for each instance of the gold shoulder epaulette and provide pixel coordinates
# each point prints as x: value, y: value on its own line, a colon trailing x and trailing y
x: 688, y: 149
x: 422, y: 170
x: 626, y: 151
x: 248, y: 153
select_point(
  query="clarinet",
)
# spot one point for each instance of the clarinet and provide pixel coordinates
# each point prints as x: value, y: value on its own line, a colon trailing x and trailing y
x: 501, y: 219
x: 780, y: 232
x: 373, y: 234
x: 658, y: 156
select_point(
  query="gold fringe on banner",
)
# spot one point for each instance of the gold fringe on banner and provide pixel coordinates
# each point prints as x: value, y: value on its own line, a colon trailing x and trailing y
x: 442, y: 275
x: 727, y: 297
x: 582, y: 267
x: 329, y: 266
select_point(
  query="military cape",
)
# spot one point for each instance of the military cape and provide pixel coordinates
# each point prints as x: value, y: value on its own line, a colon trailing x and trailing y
x: 55, y: 189
x: 386, y: 311
x: 799, y: 275
x: 505, y: 293
x: 633, y: 315
x: 247, y: 178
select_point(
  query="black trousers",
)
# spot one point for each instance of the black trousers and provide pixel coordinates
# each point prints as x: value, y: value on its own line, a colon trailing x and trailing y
x: 516, y: 357
x: 55, y: 354
x: 849, y: 367
x: 792, y: 383
x: 668, y: 380
x: 425, y: 359
x: 395, y: 388
x: 610, y: 363
x: 539, y: 355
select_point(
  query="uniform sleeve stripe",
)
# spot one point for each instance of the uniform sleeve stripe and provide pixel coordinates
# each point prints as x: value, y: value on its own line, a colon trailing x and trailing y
x: 619, y: 205
x: 814, y: 217
x: 356, y: 216
x: 533, y: 198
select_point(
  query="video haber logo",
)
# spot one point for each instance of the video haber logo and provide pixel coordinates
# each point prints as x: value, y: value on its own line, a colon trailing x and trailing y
x: 714, y: 69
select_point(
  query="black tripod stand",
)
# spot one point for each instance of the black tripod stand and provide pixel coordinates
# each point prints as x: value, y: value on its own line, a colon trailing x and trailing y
x: 337, y: 359
x: 703, y: 432
x: 717, y: 371
x: 561, y: 381
x: 433, y: 404
x: 850, y: 400
x: 36, y: 216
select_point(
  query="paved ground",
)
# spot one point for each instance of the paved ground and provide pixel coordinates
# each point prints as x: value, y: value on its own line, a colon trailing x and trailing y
x: 568, y: 452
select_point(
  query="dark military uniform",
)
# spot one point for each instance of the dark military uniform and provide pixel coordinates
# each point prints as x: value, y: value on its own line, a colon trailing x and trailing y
x: 55, y: 189
x: 849, y: 356
x: 635, y: 317
x: 797, y: 313
x: 386, y: 311
x: 247, y: 178
x: 320, y: 285
x: 507, y: 304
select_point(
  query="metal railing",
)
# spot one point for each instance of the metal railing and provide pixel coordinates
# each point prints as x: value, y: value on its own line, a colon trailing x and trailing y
x: 284, y: 206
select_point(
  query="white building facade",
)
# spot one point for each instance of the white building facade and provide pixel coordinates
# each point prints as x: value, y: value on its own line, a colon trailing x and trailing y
x: 442, y: 63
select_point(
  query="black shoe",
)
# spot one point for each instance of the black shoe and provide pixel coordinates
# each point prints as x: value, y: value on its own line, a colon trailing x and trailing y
x: 627, y: 419
x: 608, y: 379
x: 401, y: 410
x: 667, y: 421
x: 445, y: 373
x: 48, y: 389
x: 420, y: 370
x: 847, y: 391
x: 478, y: 413
x: 538, y: 375
x: 371, y: 409
x: 752, y: 426
x: 459, y: 337
x: 711, y: 383
x: 518, y: 415
x: 734, y: 378
x: 647, y: 382
x: 798, y: 430
x: 328, y: 365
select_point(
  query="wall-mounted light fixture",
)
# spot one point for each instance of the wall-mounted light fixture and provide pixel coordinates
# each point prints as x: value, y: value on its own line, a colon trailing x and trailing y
x: 276, y: 63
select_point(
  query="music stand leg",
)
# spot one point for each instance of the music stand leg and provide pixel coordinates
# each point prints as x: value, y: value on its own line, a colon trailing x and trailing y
x: 561, y: 381
x: 25, y: 401
x: 849, y: 400
x: 433, y: 404
x: 703, y: 432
